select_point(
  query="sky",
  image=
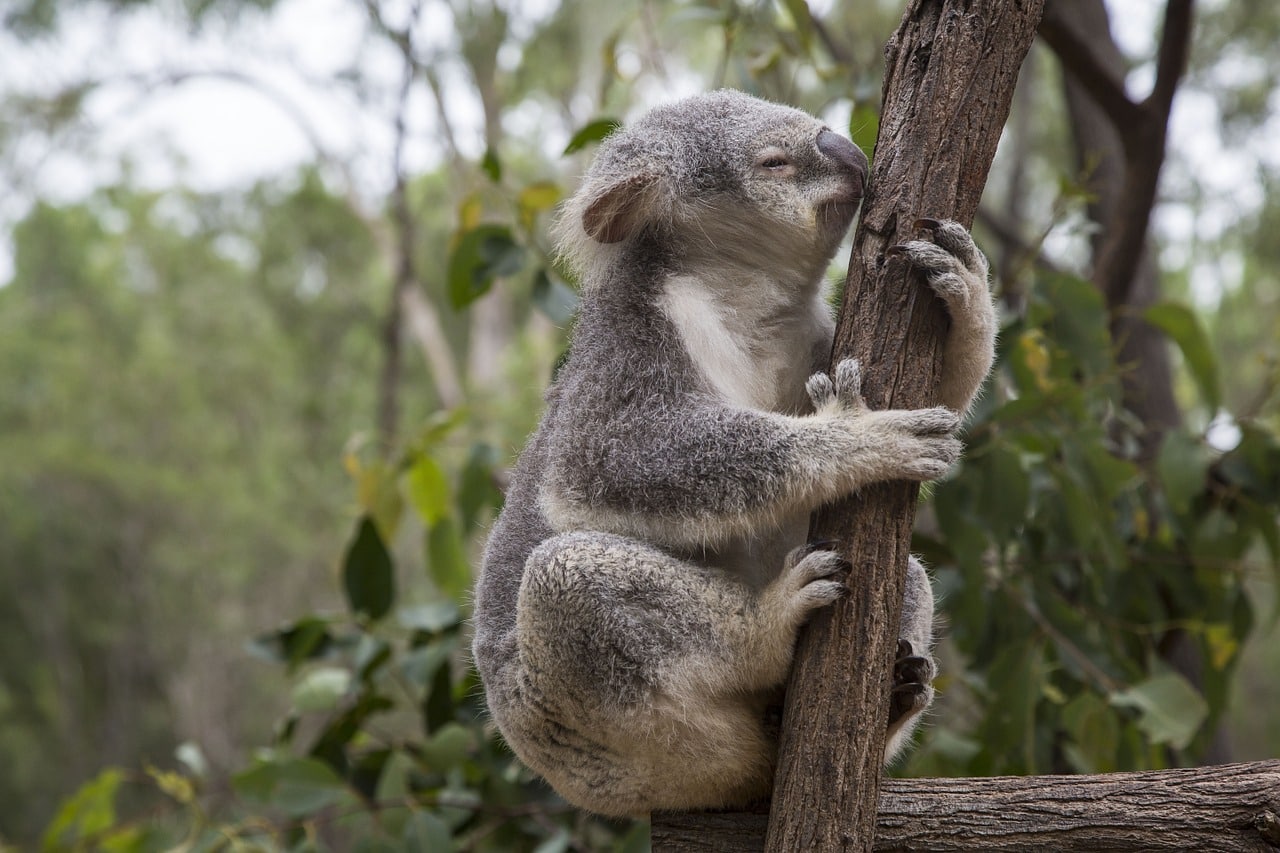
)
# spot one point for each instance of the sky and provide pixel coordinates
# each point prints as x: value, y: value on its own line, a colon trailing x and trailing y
x: 214, y: 132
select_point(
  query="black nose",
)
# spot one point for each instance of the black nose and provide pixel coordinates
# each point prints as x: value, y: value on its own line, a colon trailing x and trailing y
x: 843, y: 152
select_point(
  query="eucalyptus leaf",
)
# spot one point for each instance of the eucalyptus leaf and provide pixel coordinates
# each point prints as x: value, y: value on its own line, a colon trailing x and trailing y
x: 368, y: 576
x: 1171, y: 711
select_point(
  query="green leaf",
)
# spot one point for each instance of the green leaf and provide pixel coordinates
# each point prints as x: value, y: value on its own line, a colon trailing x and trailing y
x: 1092, y: 724
x: 1184, y: 329
x: 553, y: 297
x: 419, y: 666
x: 476, y: 489
x: 1004, y: 490
x: 447, y: 559
x: 534, y: 199
x: 426, y: 833
x: 448, y: 747
x: 433, y: 617
x: 296, y: 786
x: 438, y: 709
x: 593, y: 131
x: 306, y: 639
x: 481, y: 255
x: 428, y: 489
x: 369, y: 655
x: 1183, y: 465
x: 321, y: 689
x: 368, y: 576
x: 491, y: 165
x: 1171, y: 710
x: 90, y: 811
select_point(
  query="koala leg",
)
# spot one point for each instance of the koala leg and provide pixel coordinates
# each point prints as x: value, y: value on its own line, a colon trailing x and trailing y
x: 914, y: 669
x: 640, y: 680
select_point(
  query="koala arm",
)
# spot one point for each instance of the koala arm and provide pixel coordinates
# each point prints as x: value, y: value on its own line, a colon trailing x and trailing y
x: 695, y: 473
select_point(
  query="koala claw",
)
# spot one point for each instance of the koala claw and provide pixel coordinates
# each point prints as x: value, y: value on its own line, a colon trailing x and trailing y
x: 912, y: 675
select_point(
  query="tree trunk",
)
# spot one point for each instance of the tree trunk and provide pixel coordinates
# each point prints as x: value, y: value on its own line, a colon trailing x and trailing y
x: 950, y: 76
x: 1232, y: 807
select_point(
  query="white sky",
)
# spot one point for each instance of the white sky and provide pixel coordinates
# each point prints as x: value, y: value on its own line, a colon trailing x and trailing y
x: 214, y: 133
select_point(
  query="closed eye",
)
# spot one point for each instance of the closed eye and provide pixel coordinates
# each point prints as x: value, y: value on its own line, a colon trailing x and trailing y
x: 774, y: 162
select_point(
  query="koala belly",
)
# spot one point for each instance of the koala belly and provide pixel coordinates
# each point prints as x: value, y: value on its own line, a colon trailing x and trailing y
x: 639, y: 681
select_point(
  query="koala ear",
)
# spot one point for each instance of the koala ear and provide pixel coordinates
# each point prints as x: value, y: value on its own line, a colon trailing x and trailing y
x: 621, y: 209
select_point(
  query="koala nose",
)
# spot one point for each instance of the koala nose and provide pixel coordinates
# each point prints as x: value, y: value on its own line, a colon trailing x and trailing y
x: 843, y: 152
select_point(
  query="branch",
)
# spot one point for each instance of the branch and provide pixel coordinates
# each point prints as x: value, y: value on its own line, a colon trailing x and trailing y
x: 951, y: 72
x: 1143, y: 129
x: 1078, y: 57
x: 1230, y: 807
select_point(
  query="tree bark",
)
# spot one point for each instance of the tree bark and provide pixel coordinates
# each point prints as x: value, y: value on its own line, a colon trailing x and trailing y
x: 1232, y: 807
x: 950, y: 76
x: 951, y: 69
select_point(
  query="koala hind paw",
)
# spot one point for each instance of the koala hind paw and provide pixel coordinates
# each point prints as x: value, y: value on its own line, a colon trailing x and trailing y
x: 912, y: 680
x: 812, y: 575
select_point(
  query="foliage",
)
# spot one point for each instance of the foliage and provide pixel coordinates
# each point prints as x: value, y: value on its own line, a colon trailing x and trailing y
x: 1095, y: 563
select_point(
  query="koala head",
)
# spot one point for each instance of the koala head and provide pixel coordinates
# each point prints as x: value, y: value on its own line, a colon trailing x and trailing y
x: 717, y: 175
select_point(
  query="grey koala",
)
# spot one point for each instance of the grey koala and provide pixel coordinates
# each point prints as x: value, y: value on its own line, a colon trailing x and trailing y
x: 642, y: 588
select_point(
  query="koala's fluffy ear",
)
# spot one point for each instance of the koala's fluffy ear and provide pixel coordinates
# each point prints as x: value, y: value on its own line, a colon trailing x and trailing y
x: 621, y: 209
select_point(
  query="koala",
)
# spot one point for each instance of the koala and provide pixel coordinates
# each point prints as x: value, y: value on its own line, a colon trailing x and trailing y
x: 642, y: 588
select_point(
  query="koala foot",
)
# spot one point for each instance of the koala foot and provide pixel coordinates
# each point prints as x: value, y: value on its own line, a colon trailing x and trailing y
x: 912, y: 677
x: 810, y: 576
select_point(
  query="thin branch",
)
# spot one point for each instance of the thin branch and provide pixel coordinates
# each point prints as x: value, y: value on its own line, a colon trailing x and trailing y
x: 389, y: 381
x: 1171, y: 61
x: 1144, y: 147
x: 1079, y: 58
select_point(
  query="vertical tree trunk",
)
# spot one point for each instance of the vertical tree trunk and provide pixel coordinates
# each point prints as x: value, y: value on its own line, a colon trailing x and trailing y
x: 950, y: 76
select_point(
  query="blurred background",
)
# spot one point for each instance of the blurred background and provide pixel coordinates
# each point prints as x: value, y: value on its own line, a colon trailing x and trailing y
x: 277, y: 308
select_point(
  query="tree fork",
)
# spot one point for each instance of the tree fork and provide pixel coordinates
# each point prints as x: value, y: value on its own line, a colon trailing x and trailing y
x: 1228, y: 807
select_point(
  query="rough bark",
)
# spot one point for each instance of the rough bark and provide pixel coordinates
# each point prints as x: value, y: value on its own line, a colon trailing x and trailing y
x: 950, y: 73
x: 1232, y: 807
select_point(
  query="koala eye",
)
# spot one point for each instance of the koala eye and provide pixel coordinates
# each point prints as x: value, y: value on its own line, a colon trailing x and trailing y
x: 773, y: 159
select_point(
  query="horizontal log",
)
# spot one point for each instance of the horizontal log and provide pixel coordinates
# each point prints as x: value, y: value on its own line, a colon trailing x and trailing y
x: 1228, y: 807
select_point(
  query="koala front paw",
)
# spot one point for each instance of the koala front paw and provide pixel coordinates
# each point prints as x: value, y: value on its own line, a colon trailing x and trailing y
x: 912, y: 684
x: 896, y: 444
x: 912, y: 444
x: 844, y: 392
x: 953, y: 266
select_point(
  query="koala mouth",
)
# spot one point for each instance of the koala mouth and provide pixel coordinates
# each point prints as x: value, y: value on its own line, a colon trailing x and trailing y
x: 835, y: 214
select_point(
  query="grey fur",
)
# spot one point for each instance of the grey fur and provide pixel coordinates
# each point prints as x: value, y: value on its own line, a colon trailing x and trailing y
x: 642, y: 588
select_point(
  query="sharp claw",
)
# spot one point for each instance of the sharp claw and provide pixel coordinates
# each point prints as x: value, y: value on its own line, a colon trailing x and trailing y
x: 926, y: 224
x: 895, y: 251
x: 820, y: 545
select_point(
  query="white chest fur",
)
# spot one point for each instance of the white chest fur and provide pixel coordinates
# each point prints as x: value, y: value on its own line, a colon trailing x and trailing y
x: 752, y: 340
